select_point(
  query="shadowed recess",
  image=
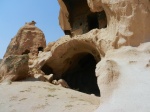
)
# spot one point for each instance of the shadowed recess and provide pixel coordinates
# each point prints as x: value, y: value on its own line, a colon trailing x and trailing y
x: 81, y: 74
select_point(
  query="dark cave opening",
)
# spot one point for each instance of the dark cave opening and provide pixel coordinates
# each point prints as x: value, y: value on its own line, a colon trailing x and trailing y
x: 82, y: 19
x: 81, y: 75
x: 93, y: 21
x: 40, y: 49
x: 46, y: 69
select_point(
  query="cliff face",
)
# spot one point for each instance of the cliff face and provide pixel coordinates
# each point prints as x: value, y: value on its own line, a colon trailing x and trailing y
x: 123, y: 79
x: 111, y: 62
x: 127, y: 20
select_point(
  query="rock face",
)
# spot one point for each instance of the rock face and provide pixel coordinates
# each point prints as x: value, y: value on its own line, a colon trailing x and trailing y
x: 76, y: 18
x: 14, y: 67
x: 123, y: 26
x: 70, y: 56
x: 110, y: 62
x: 64, y: 17
x: 123, y: 78
x: 29, y: 39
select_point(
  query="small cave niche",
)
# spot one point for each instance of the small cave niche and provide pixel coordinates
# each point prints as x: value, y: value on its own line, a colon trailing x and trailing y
x: 92, y: 21
x: 40, y: 49
x: 81, y: 19
x: 26, y: 52
x: 46, y: 69
x: 81, y: 74
x: 97, y: 20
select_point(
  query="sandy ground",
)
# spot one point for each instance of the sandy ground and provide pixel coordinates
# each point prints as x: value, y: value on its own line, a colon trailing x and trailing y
x: 36, y: 96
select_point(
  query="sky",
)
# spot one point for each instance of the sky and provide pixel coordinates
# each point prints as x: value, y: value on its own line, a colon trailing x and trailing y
x: 14, y: 14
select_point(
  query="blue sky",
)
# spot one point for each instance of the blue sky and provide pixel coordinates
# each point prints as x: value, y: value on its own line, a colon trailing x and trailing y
x: 14, y: 14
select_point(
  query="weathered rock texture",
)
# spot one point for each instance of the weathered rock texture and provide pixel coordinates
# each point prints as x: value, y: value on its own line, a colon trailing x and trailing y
x: 71, y: 55
x: 123, y: 78
x: 14, y: 67
x: 122, y: 72
x: 127, y: 20
x: 29, y: 39
x: 76, y: 18
x: 64, y: 16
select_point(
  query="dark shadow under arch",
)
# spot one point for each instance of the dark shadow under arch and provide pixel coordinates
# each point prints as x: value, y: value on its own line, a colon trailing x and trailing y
x: 81, y: 74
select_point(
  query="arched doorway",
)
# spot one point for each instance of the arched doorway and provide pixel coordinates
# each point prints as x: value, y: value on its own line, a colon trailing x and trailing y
x: 81, y: 74
x: 75, y: 62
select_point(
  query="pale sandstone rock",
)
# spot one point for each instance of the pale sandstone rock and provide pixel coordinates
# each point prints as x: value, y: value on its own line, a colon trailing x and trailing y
x: 49, y: 77
x: 128, y: 20
x: 29, y: 39
x: 70, y: 47
x: 122, y: 72
x: 123, y: 78
x: 61, y: 82
x: 55, y: 82
x: 64, y: 16
x: 14, y: 67
x: 40, y: 77
x: 49, y: 46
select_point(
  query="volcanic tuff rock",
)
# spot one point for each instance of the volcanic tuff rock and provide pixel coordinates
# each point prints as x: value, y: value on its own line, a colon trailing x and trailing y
x: 128, y: 20
x: 14, y: 67
x: 123, y: 79
x: 29, y: 39
x: 118, y: 54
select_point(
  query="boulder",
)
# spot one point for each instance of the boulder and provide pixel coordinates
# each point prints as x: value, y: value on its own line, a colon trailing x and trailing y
x: 14, y: 67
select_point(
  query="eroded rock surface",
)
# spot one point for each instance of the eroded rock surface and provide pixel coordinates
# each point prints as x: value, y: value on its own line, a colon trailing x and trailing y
x: 128, y: 20
x: 29, y: 39
x: 14, y: 67
x: 106, y: 61
x: 123, y: 78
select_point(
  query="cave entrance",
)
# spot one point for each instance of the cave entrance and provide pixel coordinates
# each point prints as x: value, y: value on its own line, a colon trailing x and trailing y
x: 47, y: 70
x: 93, y: 21
x: 40, y: 49
x: 81, y: 75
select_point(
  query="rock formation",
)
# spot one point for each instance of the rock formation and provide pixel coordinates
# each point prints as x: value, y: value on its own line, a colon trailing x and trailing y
x: 14, y: 67
x: 104, y: 51
x: 123, y: 79
x: 127, y: 21
x: 29, y: 39
x: 76, y: 18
